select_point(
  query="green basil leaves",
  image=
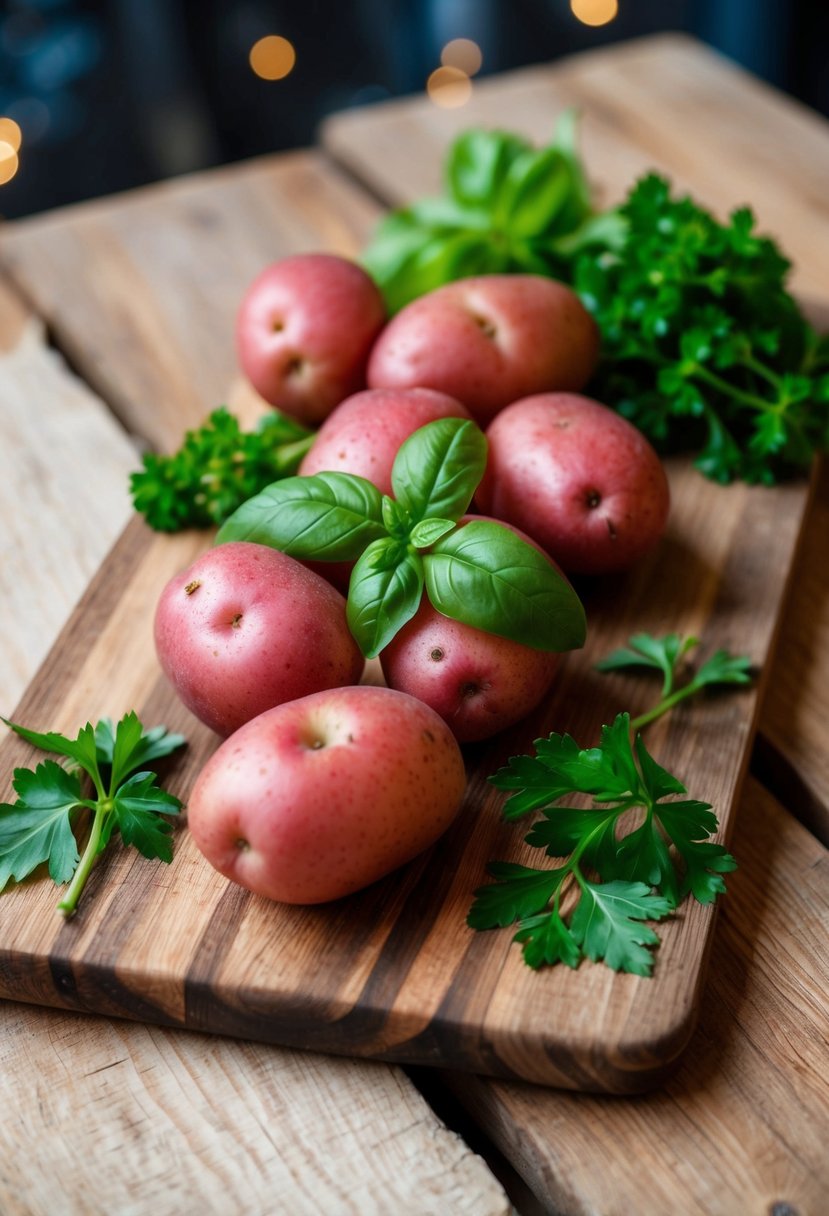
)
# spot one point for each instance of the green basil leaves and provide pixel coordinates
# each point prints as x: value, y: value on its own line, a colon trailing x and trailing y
x: 479, y: 573
x: 507, y: 207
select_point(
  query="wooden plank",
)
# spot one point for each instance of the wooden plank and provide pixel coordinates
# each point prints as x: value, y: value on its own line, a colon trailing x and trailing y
x: 792, y: 756
x: 741, y: 1126
x: 140, y: 292
x: 150, y: 1107
x: 666, y: 102
x: 670, y: 103
x: 403, y: 977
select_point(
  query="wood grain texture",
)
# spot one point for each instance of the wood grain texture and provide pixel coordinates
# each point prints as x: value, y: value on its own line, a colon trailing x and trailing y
x: 792, y: 756
x: 102, y: 1117
x: 395, y: 972
x: 669, y: 103
x: 666, y: 102
x: 741, y: 1127
x: 141, y: 291
x: 134, y: 1119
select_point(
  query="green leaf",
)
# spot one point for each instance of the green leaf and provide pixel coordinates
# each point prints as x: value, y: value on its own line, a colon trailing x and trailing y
x: 478, y: 163
x: 138, y: 806
x: 688, y: 824
x: 642, y: 856
x: 395, y: 519
x: 485, y: 576
x: 155, y: 743
x: 81, y: 749
x: 437, y: 469
x: 592, y: 830
x: 384, y: 593
x: 658, y: 781
x: 724, y: 668
x: 518, y: 892
x: 430, y: 530
x: 37, y: 827
x: 328, y: 517
x: 607, y: 924
x: 643, y: 650
x: 538, y: 187
x: 547, y: 940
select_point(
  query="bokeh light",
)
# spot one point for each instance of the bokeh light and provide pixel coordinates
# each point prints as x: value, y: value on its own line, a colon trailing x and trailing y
x: 463, y: 54
x: 594, y: 12
x: 272, y: 57
x: 10, y: 133
x: 8, y: 162
x: 449, y: 87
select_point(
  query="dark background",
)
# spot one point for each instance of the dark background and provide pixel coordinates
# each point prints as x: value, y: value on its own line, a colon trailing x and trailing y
x: 111, y: 94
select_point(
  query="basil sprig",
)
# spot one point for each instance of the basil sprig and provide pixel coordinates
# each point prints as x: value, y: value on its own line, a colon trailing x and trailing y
x: 479, y: 573
x: 508, y: 207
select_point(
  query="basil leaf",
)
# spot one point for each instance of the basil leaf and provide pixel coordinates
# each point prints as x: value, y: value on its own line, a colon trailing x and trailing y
x: 395, y: 519
x: 484, y: 575
x: 384, y: 593
x: 330, y: 517
x: 478, y: 163
x: 437, y: 469
x: 537, y: 188
x: 429, y: 530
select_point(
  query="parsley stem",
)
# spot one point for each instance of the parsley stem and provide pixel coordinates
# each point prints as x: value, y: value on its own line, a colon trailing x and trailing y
x: 663, y: 706
x: 69, y: 903
x: 757, y: 403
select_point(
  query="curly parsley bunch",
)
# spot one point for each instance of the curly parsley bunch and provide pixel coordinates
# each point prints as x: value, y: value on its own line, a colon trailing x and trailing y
x: 703, y: 346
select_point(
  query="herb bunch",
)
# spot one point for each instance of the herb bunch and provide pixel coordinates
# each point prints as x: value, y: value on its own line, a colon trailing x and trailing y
x: 702, y: 345
x: 216, y: 468
x: 124, y: 797
x: 479, y: 572
x: 611, y: 884
x: 507, y: 208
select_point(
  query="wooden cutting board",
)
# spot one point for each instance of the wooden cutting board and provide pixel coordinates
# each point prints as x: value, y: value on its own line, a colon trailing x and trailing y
x: 140, y: 293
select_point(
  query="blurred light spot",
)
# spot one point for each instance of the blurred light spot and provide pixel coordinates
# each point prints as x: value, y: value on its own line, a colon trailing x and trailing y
x: 449, y: 88
x: 8, y: 162
x: 594, y: 12
x: 10, y: 133
x: 273, y: 57
x: 463, y: 54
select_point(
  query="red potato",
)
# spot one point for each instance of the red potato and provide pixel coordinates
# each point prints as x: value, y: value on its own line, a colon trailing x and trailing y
x: 488, y: 340
x: 478, y: 682
x: 363, y: 434
x: 579, y: 478
x: 322, y: 796
x: 245, y: 628
x: 304, y: 331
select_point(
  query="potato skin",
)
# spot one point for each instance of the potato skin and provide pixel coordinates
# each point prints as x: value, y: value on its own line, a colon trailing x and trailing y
x: 245, y: 628
x: 488, y: 340
x: 479, y: 683
x: 321, y: 796
x: 304, y: 331
x: 578, y: 478
x: 363, y: 434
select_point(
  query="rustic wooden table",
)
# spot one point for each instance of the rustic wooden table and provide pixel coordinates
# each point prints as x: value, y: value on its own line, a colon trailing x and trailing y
x: 115, y: 331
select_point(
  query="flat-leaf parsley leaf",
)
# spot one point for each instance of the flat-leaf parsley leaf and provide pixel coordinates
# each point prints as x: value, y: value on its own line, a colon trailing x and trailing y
x: 38, y: 827
x: 612, y: 884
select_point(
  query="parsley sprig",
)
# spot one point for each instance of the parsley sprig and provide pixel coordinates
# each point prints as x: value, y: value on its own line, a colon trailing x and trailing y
x: 666, y: 655
x: 703, y: 347
x: 639, y: 877
x: 217, y: 467
x: 124, y: 797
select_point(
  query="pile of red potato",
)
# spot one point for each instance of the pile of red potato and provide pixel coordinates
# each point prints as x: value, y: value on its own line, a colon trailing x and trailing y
x: 323, y: 785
